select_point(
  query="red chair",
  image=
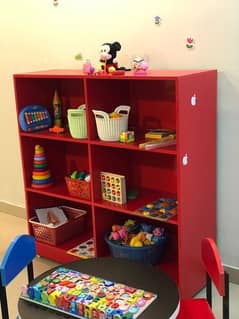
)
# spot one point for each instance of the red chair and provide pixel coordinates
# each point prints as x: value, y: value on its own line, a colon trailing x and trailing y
x: 201, y: 308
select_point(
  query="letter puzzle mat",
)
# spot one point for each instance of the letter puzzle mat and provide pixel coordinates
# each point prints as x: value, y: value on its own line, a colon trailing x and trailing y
x: 85, y: 296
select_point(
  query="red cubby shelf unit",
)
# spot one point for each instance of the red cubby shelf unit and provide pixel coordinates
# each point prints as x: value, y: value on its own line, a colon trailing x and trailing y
x: 181, y: 100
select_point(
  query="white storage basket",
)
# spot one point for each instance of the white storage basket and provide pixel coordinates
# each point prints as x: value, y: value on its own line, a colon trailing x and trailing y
x: 109, y: 129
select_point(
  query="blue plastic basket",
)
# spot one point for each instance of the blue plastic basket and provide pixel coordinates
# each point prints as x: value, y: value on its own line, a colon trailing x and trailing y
x: 146, y: 254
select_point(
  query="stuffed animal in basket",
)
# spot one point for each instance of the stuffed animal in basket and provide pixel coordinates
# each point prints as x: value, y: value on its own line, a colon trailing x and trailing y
x: 108, y: 53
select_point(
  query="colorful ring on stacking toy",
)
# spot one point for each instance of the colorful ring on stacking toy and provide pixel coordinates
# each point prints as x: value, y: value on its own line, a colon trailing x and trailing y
x: 41, y: 186
x: 39, y: 162
x: 40, y: 173
x: 40, y: 182
x: 41, y: 178
x: 40, y: 165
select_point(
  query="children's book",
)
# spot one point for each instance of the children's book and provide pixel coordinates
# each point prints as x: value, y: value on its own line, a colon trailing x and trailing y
x: 162, y: 142
x: 159, y: 133
x: 51, y: 216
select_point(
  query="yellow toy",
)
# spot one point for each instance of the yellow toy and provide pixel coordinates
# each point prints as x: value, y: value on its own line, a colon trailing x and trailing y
x: 127, y: 137
x: 135, y: 242
x: 115, y: 115
x: 129, y: 222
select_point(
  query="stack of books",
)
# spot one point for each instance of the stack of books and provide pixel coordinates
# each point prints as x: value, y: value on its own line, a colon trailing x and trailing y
x: 159, y: 134
x: 158, y: 138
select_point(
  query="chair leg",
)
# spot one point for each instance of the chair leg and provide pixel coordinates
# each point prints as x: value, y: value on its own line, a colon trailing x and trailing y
x: 3, y: 298
x: 226, y: 298
x: 30, y: 272
x: 209, y: 289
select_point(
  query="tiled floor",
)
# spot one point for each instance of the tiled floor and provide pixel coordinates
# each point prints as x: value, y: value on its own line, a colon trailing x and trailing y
x: 11, y: 226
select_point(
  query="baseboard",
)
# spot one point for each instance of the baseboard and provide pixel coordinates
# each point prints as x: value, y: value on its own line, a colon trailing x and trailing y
x: 233, y: 274
x: 12, y: 210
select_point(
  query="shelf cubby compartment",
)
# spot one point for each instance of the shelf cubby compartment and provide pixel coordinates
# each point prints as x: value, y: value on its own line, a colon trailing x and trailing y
x: 35, y: 201
x: 38, y: 91
x: 62, y: 158
x: 152, y: 176
x: 169, y: 260
x: 153, y: 103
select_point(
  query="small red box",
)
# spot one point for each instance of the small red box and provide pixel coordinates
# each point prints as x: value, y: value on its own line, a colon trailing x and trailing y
x: 78, y: 188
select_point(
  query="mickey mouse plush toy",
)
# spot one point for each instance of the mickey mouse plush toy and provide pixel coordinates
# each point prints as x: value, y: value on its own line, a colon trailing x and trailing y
x: 108, y: 52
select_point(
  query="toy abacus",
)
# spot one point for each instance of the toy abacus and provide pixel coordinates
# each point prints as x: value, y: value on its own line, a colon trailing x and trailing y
x: 34, y: 118
x: 113, y: 187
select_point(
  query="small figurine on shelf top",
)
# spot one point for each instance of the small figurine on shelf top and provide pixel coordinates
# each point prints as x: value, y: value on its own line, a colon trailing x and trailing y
x: 88, y: 68
x: 108, y: 52
x: 139, y: 65
x: 108, y: 60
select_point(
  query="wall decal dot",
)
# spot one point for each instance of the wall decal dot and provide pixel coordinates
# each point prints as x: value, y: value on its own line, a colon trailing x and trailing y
x: 157, y: 20
x: 79, y: 56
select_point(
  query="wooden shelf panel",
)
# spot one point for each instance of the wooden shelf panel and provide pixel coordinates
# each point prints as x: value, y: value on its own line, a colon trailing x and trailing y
x: 173, y: 220
x: 131, y: 206
x: 135, y: 147
x: 60, y: 191
x: 66, y: 137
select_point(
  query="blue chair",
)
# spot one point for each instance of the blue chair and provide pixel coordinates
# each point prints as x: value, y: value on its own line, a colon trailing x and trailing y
x: 19, y: 255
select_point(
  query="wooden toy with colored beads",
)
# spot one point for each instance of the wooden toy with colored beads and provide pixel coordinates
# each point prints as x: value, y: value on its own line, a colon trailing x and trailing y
x: 113, y: 187
x: 162, y: 209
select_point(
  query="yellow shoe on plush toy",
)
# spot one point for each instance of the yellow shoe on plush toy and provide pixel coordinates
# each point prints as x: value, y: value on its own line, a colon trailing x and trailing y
x: 111, y: 69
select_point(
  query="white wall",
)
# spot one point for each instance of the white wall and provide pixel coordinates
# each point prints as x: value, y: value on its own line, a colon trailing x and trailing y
x: 37, y: 35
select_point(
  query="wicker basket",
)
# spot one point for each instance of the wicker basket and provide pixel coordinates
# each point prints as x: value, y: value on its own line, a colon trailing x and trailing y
x: 109, y: 129
x: 78, y: 188
x: 77, y: 122
x: 54, y: 236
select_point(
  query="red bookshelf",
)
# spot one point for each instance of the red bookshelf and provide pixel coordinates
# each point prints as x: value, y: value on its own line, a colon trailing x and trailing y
x: 185, y: 171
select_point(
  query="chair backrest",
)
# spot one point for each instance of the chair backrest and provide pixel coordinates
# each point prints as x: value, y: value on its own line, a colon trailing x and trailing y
x: 215, y: 273
x: 19, y: 254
